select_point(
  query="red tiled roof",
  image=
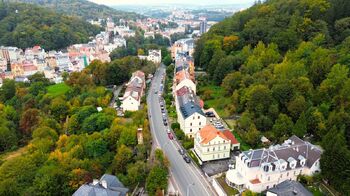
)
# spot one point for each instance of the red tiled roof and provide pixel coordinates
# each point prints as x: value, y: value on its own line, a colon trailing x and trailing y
x: 183, y: 90
x: 230, y: 136
x: 209, y: 132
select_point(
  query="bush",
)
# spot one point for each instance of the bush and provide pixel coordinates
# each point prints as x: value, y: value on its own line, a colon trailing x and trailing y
x: 179, y: 134
x: 188, y: 143
x: 175, y: 126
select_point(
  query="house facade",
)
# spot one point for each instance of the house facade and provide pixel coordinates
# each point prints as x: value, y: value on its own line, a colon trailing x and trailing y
x: 190, y: 114
x: 131, y: 100
x: 211, y: 144
x: 262, y: 169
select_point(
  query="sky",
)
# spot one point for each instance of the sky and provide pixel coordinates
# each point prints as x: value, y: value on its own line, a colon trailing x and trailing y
x: 143, y: 2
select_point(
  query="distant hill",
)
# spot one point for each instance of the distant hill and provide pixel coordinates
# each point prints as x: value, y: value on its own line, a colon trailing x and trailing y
x: 25, y: 25
x: 82, y: 8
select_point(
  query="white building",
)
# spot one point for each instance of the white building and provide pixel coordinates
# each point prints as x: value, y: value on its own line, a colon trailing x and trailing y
x: 262, y: 169
x: 155, y: 56
x: 131, y: 100
x: 190, y: 115
x: 182, y: 46
x: 211, y: 144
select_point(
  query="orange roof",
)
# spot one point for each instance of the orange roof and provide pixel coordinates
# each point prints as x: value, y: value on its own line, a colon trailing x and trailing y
x: 231, y: 137
x: 255, y: 181
x: 209, y: 132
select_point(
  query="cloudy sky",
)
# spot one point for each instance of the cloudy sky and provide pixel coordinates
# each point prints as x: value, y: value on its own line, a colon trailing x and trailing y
x: 199, y: 2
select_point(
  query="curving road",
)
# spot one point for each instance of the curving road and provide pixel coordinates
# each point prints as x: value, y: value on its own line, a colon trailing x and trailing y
x: 188, y: 179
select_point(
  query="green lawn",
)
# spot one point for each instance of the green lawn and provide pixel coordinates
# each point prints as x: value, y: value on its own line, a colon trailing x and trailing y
x: 229, y: 190
x: 57, y: 89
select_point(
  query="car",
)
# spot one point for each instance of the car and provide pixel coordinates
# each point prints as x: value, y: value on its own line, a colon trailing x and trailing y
x: 217, y: 123
x: 187, y: 159
x: 181, y: 151
x: 170, y: 136
x: 165, y: 123
x: 155, y: 92
x: 168, y: 131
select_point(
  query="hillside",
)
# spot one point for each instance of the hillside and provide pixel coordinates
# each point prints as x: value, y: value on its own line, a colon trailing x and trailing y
x: 82, y: 8
x: 31, y: 25
x: 284, y: 66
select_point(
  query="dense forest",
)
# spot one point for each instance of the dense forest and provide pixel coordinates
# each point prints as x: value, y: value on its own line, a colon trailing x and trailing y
x: 285, y: 66
x: 53, y: 139
x: 83, y: 8
x: 25, y: 25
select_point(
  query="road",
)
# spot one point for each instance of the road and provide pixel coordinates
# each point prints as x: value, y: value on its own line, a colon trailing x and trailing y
x: 188, y: 179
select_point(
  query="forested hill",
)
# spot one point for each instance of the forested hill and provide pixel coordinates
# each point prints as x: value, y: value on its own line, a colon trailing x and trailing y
x: 285, y: 66
x: 83, y: 8
x: 25, y: 25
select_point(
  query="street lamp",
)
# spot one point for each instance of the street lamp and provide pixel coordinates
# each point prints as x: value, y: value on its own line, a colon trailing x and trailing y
x: 188, y: 188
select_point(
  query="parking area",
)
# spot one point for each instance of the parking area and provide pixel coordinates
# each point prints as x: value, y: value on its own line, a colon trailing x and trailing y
x: 212, y: 168
x: 214, y: 119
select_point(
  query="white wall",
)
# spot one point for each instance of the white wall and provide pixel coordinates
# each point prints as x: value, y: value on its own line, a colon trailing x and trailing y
x: 216, y: 149
x: 193, y: 124
x: 130, y: 104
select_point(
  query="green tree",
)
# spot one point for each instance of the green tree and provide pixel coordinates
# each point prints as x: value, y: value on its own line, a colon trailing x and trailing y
x: 283, y: 127
x: 300, y: 127
x: 157, y: 180
x: 122, y: 159
x: 7, y: 90
x: 8, y: 138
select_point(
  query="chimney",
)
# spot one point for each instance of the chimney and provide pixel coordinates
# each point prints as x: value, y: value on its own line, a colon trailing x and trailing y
x: 104, y: 184
x: 95, y: 182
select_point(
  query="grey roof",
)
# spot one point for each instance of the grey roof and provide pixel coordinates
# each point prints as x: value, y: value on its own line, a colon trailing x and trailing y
x: 112, y: 181
x: 190, y: 108
x: 114, y: 188
x: 290, y: 188
x: 291, y: 148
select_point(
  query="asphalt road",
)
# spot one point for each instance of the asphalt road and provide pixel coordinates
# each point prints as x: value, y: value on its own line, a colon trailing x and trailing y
x: 188, y: 179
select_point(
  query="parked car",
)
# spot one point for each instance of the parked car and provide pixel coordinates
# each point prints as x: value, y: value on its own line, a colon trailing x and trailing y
x: 210, y: 114
x: 165, y: 123
x: 168, y: 131
x: 187, y: 159
x: 155, y: 92
x: 181, y: 151
x: 170, y: 136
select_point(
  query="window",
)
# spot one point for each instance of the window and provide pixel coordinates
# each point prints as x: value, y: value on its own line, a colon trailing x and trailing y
x: 224, y: 147
x: 207, y: 149
x: 213, y: 148
x: 200, y: 123
x: 281, y: 176
x: 213, y: 156
x: 287, y: 173
x: 198, y: 117
x: 190, y: 130
x: 219, y: 147
x: 295, y: 173
x: 193, y: 118
x: 218, y: 155
x: 190, y: 124
x: 268, y: 178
